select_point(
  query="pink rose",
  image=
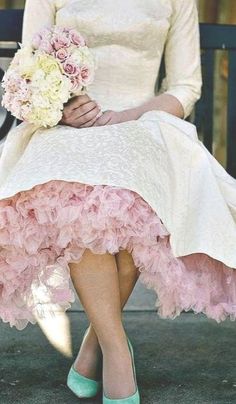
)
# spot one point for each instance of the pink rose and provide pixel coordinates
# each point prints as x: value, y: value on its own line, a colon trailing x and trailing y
x: 62, y: 54
x: 76, y: 38
x: 76, y: 83
x: 66, y: 30
x: 37, y: 38
x: 46, y: 46
x: 46, y: 33
x: 58, y: 30
x: 60, y: 41
x: 85, y: 74
x: 71, y: 68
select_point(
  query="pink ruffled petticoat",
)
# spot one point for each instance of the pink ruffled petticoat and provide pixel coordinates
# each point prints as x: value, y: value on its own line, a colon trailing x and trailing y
x: 50, y: 225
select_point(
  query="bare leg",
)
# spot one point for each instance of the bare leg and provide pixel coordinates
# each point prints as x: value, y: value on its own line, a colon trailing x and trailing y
x: 89, y: 359
x: 96, y: 281
x: 128, y: 275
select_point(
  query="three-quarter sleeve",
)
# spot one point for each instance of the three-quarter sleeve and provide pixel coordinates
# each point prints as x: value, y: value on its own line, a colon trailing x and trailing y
x: 37, y: 15
x: 182, y: 55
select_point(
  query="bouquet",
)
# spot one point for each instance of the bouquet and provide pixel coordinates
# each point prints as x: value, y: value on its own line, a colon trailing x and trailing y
x: 44, y: 75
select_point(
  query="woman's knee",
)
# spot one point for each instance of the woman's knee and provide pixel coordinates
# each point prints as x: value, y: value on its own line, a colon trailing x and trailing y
x: 125, y: 262
x: 94, y: 260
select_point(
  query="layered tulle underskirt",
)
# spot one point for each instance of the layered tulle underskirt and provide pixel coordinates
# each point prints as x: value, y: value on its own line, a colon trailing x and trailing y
x: 45, y: 228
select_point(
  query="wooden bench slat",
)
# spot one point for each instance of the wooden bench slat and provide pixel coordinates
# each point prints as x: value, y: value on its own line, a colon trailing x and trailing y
x: 11, y: 25
x: 217, y: 36
x: 208, y: 63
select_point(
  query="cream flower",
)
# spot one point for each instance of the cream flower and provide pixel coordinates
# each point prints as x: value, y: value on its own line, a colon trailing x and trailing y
x: 48, y: 63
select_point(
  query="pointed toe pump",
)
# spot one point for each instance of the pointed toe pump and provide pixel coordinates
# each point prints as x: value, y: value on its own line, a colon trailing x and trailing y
x: 82, y: 386
x: 134, y: 398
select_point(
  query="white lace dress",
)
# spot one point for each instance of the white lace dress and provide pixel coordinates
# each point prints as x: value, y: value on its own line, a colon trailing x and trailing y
x: 147, y: 185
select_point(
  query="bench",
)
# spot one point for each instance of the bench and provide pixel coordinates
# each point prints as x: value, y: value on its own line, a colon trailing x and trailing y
x: 213, y: 37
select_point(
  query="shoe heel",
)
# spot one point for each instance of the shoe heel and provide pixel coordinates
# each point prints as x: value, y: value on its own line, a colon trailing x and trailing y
x: 82, y: 386
x: 134, y: 398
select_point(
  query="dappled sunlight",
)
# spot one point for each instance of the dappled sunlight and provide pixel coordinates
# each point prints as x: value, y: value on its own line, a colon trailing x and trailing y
x: 58, y: 332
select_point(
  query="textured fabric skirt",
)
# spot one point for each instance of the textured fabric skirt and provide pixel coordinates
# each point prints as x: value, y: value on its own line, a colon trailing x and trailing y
x: 45, y: 228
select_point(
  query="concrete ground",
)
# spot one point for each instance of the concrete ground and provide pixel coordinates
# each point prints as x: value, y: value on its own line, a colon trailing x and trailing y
x: 189, y: 360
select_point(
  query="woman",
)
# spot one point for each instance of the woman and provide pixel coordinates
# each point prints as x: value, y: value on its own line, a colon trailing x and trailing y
x: 122, y: 188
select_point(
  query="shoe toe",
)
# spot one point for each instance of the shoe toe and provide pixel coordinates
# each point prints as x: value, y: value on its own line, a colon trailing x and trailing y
x: 82, y: 386
x: 134, y: 399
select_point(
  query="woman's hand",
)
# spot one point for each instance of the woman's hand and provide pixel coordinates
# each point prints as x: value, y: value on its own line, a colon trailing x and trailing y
x: 80, y: 112
x: 163, y: 102
x: 110, y: 117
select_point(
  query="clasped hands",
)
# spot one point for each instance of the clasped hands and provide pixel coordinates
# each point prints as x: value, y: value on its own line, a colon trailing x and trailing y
x: 82, y: 112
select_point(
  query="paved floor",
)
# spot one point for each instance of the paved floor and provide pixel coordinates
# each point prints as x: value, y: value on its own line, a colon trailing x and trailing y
x: 189, y: 360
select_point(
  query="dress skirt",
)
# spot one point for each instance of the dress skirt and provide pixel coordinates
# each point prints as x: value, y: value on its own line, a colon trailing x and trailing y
x: 46, y: 224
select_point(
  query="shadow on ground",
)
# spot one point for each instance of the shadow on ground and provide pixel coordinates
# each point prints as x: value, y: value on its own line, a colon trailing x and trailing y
x: 189, y: 360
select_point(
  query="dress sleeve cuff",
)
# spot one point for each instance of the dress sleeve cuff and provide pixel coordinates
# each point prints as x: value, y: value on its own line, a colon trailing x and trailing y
x: 185, y: 97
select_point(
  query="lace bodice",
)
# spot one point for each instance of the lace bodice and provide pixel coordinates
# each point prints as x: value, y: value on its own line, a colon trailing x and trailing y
x: 128, y: 38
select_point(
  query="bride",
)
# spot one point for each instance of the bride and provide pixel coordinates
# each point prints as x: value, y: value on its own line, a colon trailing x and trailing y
x: 122, y: 188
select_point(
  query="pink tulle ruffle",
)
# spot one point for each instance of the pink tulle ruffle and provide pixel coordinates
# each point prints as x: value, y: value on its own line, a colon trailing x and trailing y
x: 50, y: 225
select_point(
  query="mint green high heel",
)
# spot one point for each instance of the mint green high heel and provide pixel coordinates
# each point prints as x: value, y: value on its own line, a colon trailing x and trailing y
x: 134, y: 398
x: 82, y: 386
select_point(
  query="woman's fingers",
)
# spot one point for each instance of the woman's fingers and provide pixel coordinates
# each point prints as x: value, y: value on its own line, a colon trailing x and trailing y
x: 79, y: 116
x: 104, y: 119
x: 83, y: 112
x: 89, y: 123
x: 84, y: 109
x: 92, y: 121
x: 85, y: 118
x: 75, y: 102
x: 90, y: 115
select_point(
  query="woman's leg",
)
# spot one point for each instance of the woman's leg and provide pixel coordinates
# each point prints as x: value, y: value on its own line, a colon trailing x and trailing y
x: 128, y: 275
x: 96, y: 281
x: 89, y: 359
